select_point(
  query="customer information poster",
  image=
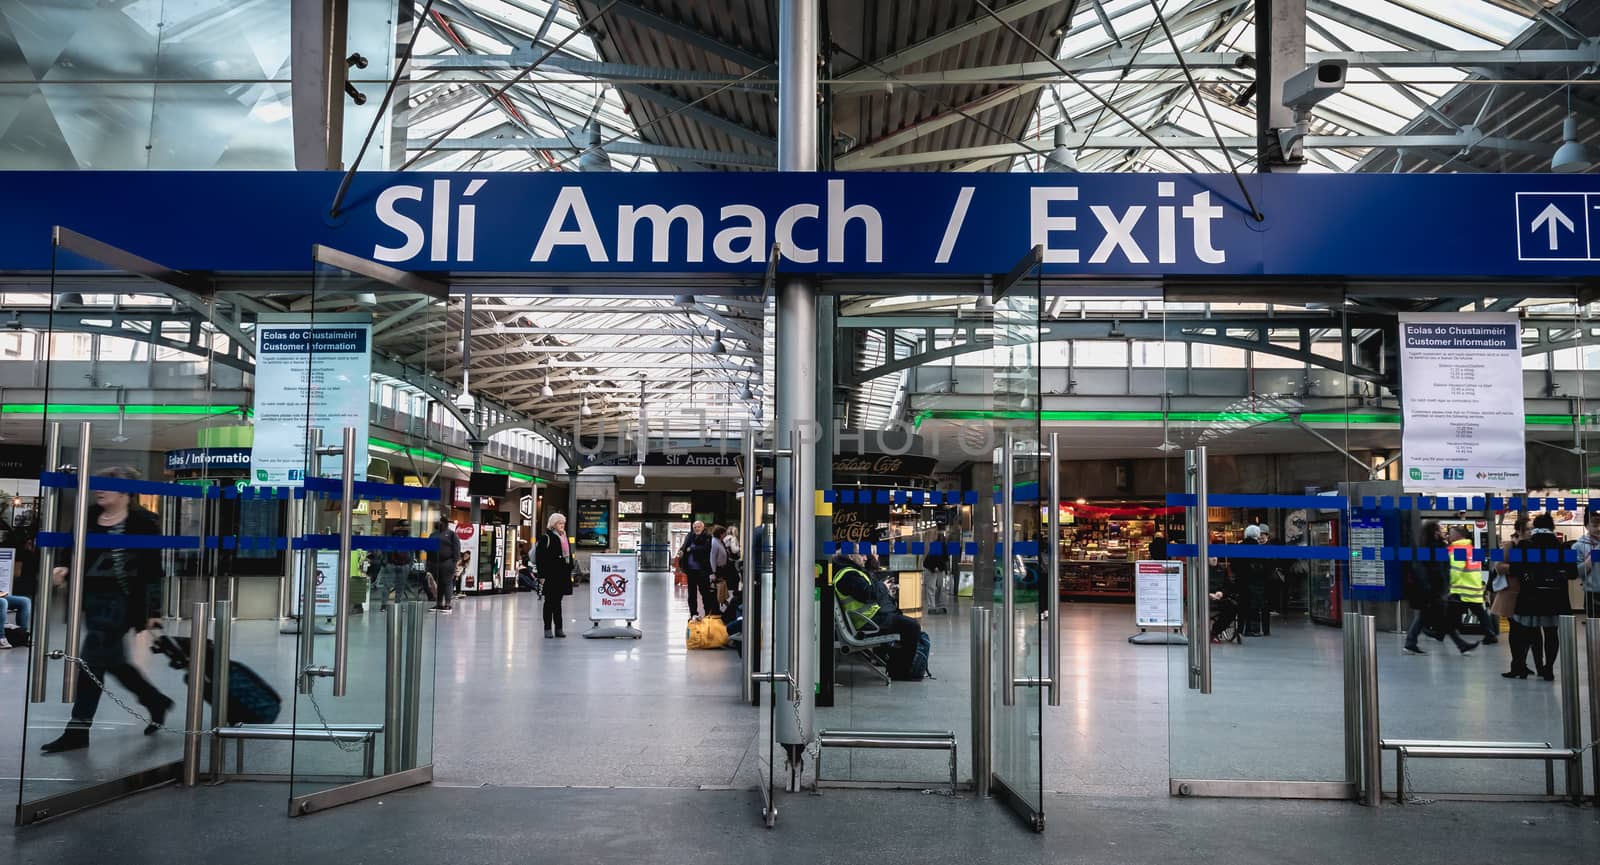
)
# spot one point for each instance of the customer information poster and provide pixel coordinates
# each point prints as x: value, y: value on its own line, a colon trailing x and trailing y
x: 1158, y: 594
x: 309, y: 374
x: 613, y: 587
x: 1461, y: 397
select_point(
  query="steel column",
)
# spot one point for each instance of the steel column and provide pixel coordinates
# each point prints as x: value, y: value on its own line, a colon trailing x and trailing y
x: 798, y: 35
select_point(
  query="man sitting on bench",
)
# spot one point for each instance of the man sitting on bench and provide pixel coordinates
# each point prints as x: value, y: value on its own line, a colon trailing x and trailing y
x: 858, y: 598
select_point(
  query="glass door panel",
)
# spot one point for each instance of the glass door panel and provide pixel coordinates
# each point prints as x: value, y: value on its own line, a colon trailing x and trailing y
x: 132, y: 371
x: 1451, y: 479
x: 1019, y: 671
x: 364, y: 692
x: 1256, y: 690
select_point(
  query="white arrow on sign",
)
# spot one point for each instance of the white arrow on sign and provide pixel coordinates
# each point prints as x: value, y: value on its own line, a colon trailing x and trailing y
x: 1549, y: 217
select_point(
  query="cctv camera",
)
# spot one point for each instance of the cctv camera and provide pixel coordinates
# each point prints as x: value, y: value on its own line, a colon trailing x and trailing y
x: 1315, y: 83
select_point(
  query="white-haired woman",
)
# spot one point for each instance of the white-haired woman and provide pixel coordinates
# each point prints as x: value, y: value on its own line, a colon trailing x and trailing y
x: 553, y: 564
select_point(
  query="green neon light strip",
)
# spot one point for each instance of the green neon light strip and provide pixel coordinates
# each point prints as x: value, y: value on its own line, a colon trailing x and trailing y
x: 1205, y: 417
x: 424, y: 453
x: 70, y: 408
x: 217, y: 410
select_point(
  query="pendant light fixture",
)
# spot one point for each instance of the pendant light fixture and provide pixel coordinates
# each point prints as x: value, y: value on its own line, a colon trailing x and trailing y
x: 1573, y: 156
x: 547, y: 391
x: 1061, y: 158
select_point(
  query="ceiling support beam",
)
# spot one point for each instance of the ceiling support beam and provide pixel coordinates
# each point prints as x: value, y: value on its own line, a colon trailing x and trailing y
x: 689, y: 34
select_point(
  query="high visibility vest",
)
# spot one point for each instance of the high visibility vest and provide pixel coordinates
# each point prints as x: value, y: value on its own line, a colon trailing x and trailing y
x: 1466, y: 577
x: 857, y: 613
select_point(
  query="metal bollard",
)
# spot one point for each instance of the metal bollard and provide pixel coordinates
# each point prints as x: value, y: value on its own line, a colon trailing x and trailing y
x: 393, y: 699
x: 1371, y: 746
x: 1571, y: 702
x: 982, y: 649
x: 1592, y: 629
x: 416, y: 617
x: 194, y: 714
x: 222, y: 642
x: 1352, y: 699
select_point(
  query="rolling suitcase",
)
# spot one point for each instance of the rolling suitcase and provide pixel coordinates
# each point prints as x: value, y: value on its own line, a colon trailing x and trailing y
x: 250, y: 699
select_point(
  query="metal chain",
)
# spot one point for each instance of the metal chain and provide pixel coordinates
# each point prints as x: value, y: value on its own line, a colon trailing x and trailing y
x: 348, y: 748
x: 109, y: 694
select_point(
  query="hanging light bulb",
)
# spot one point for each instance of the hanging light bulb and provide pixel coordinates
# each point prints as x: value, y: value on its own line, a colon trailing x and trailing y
x: 716, y: 344
x: 584, y: 410
x: 547, y: 391
x: 745, y: 392
x: 638, y: 479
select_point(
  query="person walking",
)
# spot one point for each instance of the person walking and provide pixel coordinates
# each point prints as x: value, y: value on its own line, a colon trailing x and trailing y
x: 1466, y: 581
x: 121, y: 592
x: 442, y: 564
x: 553, y: 563
x: 1430, y: 593
x: 1543, y: 573
x: 695, y: 559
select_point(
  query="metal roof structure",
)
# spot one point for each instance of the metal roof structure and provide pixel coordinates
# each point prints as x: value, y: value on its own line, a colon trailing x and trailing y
x: 970, y: 85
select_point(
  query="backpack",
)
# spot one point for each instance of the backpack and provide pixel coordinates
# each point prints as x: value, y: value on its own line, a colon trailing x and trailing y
x: 919, y: 661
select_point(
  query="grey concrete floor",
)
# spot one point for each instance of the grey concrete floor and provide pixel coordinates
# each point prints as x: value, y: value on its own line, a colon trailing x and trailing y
x: 243, y: 824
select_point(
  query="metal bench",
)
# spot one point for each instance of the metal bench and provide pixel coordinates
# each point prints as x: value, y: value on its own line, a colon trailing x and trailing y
x: 1406, y: 749
x: 920, y: 740
x: 366, y: 734
x: 851, y: 643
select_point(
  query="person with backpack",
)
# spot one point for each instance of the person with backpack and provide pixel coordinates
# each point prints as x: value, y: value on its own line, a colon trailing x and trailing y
x: 854, y: 592
x: 1542, y: 573
x: 398, y: 576
x: 695, y: 559
x: 442, y: 564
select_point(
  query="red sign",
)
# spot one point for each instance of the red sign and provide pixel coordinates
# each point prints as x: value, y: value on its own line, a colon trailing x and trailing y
x: 464, y: 531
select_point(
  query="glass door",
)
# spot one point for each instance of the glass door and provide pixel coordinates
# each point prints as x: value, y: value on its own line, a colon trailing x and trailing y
x: 1260, y: 460
x: 132, y: 371
x: 363, y: 694
x: 1024, y: 590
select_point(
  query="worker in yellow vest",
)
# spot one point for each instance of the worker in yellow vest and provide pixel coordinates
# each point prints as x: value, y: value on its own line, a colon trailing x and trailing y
x: 1466, y: 581
x: 854, y: 592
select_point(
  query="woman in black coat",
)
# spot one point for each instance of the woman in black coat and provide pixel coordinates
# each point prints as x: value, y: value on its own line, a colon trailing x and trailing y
x: 1542, y: 600
x: 553, y: 564
x: 121, y: 592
